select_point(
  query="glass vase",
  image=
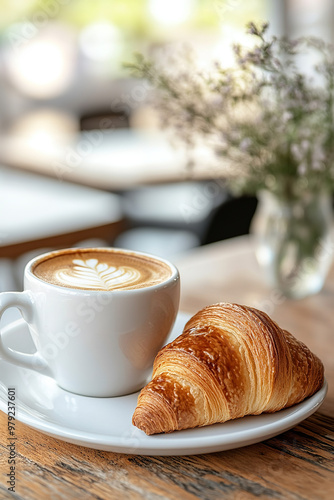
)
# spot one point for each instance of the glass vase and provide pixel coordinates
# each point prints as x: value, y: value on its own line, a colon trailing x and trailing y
x: 294, y: 241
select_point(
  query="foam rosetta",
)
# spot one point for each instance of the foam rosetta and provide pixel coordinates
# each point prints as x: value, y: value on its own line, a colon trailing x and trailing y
x: 101, y: 270
x: 98, y: 275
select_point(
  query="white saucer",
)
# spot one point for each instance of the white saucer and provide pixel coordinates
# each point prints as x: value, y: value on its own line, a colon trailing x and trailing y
x: 105, y: 423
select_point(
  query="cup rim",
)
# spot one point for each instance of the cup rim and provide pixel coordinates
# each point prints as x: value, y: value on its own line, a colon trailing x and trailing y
x: 28, y: 271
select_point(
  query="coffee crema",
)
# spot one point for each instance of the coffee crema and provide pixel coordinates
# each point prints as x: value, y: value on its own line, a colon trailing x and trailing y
x: 101, y: 269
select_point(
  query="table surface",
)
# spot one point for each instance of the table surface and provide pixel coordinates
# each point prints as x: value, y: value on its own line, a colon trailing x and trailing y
x: 40, y: 212
x: 297, y: 464
x: 114, y: 160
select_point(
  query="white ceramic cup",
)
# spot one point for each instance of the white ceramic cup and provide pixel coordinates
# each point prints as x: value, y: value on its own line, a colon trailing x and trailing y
x: 93, y: 343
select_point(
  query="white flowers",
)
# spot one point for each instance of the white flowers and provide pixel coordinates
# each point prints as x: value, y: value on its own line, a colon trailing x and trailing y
x: 273, y: 121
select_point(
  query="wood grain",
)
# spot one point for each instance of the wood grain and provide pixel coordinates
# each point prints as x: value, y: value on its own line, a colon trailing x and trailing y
x: 296, y: 465
x: 304, y: 457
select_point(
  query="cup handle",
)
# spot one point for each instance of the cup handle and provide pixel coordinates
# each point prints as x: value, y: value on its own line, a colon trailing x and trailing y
x: 24, y: 302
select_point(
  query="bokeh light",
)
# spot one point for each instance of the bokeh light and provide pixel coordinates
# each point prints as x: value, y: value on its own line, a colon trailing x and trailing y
x: 43, y: 66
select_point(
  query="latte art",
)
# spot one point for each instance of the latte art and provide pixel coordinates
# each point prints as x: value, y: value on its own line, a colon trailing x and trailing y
x: 101, y: 269
x: 98, y: 276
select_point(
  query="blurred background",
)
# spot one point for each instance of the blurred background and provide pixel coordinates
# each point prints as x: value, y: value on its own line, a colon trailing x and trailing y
x: 67, y: 56
x: 83, y: 158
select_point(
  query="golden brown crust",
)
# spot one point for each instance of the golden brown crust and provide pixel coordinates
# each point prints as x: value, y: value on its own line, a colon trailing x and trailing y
x: 230, y: 361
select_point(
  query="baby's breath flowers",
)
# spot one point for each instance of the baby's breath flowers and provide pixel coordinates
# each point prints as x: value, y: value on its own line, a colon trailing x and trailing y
x: 272, y: 120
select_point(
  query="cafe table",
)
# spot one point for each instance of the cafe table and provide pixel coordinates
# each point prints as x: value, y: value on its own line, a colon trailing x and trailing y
x: 108, y: 159
x: 296, y: 464
x: 38, y: 212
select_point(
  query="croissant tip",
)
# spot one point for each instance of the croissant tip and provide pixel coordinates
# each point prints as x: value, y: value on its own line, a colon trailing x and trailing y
x: 144, y: 422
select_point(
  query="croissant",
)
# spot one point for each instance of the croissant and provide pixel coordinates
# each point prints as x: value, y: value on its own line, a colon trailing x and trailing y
x: 230, y: 361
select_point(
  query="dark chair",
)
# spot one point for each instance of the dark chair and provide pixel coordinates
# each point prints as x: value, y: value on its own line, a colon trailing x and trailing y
x: 104, y: 120
x: 231, y: 219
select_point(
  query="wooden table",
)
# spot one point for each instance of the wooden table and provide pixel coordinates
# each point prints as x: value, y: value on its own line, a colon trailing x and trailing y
x: 295, y: 465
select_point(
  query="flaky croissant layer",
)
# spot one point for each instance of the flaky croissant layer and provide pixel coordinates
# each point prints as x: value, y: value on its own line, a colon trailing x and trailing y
x: 230, y: 361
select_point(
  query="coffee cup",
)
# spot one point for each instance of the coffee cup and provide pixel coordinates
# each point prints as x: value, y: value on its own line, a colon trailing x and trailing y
x: 97, y: 317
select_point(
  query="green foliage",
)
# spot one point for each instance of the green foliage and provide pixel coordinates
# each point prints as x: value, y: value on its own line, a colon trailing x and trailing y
x: 271, y: 120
